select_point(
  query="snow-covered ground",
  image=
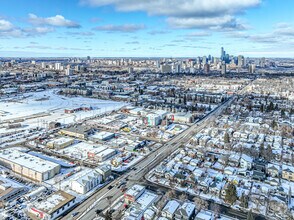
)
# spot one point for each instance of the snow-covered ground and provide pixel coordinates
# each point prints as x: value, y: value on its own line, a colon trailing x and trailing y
x: 38, y: 109
x: 50, y: 102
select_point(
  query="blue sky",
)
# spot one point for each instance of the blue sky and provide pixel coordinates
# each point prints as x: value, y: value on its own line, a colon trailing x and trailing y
x: 146, y: 28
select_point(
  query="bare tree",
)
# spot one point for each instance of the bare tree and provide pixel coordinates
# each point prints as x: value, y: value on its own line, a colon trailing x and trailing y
x: 108, y: 198
x: 216, y: 208
x: 162, y: 202
x: 200, y: 203
x: 183, y: 197
x: 171, y: 194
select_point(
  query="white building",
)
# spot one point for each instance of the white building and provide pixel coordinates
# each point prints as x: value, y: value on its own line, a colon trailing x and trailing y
x: 102, y: 136
x: 29, y: 166
x: 246, y: 161
x: 85, y: 181
x: 133, y: 193
x: 61, y: 142
x: 137, y: 209
x: 51, y: 207
x: 185, y: 211
x: 170, y: 208
x: 43, y: 65
x: 181, y: 117
x: 104, y: 155
x: 152, y: 119
x: 68, y: 71
x: 57, y: 66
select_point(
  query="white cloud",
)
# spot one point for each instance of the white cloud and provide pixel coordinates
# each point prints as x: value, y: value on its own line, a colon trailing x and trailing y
x: 282, y: 33
x: 81, y: 33
x: 5, y: 25
x: 8, y: 30
x: 187, y: 13
x: 208, y: 22
x: 133, y: 42
x: 12, y: 33
x: 199, y: 34
x: 57, y: 21
x: 38, y: 47
x: 38, y: 30
x: 158, y: 32
x: 126, y: 28
x: 284, y: 29
x: 185, y: 8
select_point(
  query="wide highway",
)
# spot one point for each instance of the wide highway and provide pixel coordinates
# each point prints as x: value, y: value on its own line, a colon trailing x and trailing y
x: 104, y: 197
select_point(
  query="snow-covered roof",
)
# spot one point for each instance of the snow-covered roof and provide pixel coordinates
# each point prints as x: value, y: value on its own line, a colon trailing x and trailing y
x: 86, y: 176
x: 105, y: 152
x: 53, y: 202
x: 288, y: 168
x: 146, y: 199
x: 61, y: 140
x: 102, y: 135
x: 187, y: 208
x: 135, y: 190
x: 149, y: 212
x: 83, y: 148
x: 204, y: 215
x: 171, y: 206
x: 8, y: 185
x: 23, y: 159
x: 247, y: 158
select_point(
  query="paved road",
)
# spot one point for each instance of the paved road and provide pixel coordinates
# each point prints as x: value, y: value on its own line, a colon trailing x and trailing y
x: 104, y: 197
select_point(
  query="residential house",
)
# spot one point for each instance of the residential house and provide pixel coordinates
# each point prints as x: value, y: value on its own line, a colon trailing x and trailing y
x: 234, y: 160
x: 170, y: 208
x: 273, y: 170
x: 246, y: 161
x: 288, y: 173
x: 185, y: 211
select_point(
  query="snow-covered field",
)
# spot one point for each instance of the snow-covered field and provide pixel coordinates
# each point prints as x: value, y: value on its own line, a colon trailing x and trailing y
x: 38, y: 109
x: 50, y: 102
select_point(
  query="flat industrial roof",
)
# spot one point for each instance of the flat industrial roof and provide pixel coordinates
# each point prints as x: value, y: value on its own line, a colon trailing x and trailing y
x: 105, y: 152
x: 102, y: 134
x: 29, y: 161
x: 54, y: 202
x: 61, y: 140
x: 83, y: 148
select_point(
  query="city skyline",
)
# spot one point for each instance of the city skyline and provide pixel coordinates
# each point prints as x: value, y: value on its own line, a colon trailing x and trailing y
x: 127, y: 28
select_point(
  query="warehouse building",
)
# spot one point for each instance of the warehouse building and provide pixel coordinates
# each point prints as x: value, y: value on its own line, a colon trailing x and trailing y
x: 85, y: 181
x: 60, y: 143
x: 29, y: 166
x: 181, y: 117
x: 10, y: 190
x: 51, y: 207
x: 77, y: 131
x: 103, y: 155
x: 105, y: 171
x: 54, y: 124
x: 102, y: 136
